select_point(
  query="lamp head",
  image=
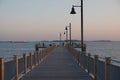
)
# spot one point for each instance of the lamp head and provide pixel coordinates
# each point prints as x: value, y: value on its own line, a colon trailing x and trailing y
x: 73, y: 11
x: 66, y: 28
x: 64, y: 33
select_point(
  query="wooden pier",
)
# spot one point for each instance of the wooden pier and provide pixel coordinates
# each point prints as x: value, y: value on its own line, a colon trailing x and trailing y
x: 58, y: 65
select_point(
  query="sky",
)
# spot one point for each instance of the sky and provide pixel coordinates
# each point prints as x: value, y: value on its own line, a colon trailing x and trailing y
x: 33, y: 20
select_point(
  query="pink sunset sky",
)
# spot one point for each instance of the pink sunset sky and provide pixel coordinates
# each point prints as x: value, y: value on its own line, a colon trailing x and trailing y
x: 32, y: 20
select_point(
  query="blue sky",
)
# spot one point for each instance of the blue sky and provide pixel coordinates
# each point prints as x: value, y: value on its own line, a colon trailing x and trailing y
x: 45, y: 19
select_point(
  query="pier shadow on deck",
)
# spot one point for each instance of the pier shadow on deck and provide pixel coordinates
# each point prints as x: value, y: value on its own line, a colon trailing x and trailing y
x: 58, y: 65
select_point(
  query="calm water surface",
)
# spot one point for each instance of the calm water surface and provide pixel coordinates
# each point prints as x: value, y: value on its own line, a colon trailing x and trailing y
x: 103, y: 49
x: 9, y: 49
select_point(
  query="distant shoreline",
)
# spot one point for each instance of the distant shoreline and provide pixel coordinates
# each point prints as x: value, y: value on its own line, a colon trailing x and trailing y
x: 58, y: 41
x: 102, y: 41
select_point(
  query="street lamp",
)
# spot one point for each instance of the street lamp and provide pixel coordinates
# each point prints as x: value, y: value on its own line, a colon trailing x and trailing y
x: 66, y: 34
x: 60, y: 38
x: 69, y: 33
x: 73, y: 12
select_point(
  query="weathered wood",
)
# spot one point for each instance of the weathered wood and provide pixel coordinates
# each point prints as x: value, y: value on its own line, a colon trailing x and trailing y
x: 107, y: 63
x: 1, y: 68
x: 88, y: 64
x: 59, y: 65
x: 35, y: 58
x: 25, y: 63
x: 95, y: 66
x: 31, y: 61
x: 38, y: 57
x: 16, y: 66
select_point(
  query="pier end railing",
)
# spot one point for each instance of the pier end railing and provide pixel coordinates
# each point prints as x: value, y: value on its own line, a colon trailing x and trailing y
x: 99, y: 68
x: 18, y: 66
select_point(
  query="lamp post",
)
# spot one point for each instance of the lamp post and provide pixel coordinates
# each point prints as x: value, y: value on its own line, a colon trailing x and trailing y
x: 66, y: 34
x: 73, y: 12
x: 60, y: 38
x: 69, y: 33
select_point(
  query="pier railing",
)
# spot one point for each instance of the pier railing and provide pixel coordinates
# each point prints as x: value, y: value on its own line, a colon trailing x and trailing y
x: 13, y: 68
x: 98, y: 67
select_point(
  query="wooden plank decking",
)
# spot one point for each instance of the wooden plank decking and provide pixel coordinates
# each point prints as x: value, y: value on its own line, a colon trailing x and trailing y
x: 58, y: 65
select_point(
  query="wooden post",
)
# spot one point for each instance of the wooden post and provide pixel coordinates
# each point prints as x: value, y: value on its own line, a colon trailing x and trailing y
x: 44, y: 52
x: 31, y: 61
x: 35, y: 58
x: 16, y: 67
x: 88, y: 60
x: 40, y: 55
x: 1, y: 68
x: 84, y: 57
x: 81, y: 60
x: 25, y: 63
x: 78, y: 58
x: 107, y: 62
x: 95, y: 66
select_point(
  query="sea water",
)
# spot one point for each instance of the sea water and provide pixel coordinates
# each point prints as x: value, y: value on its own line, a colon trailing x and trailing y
x: 8, y: 49
x: 103, y: 49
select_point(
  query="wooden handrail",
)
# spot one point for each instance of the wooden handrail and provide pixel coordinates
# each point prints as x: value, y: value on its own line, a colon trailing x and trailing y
x: 37, y: 57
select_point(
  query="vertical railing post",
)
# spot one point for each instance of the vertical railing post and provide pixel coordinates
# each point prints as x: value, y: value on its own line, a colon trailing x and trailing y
x: 95, y: 66
x: 35, y: 58
x: 81, y: 55
x: 25, y: 63
x: 78, y: 58
x: 1, y: 68
x: 45, y: 52
x: 41, y: 54
x: 16, y: 67
x: 88, y: 62
x: 38, y: 57
x: 31, y: 61
x: 84, y: 57
x: 107, y: 63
